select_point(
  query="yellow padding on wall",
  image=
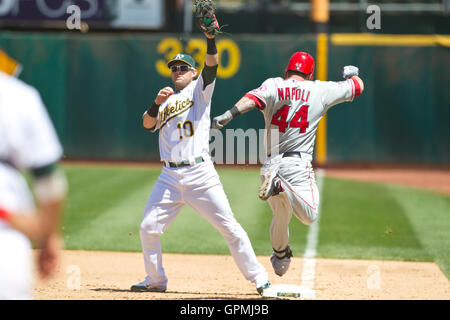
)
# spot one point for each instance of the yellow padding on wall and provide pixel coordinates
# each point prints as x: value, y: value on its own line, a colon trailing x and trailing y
x: 367, y: 39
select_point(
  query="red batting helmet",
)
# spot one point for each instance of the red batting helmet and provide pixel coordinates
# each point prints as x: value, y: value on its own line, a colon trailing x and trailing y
x: 302, y: 62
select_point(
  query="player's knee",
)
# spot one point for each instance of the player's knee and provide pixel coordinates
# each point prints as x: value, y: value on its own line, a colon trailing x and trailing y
x: 231, y: 230
x: 308, y: 216
x: 311, y: 217
x: 309, y: 220
x: 148, y: 227
x: 143, y: 228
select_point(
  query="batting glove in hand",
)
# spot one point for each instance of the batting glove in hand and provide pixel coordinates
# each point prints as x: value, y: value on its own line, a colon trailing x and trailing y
x: 350, y: 71
x: 220, y: 121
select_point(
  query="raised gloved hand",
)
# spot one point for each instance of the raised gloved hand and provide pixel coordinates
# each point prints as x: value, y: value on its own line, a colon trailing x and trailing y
x: 220, y: 121
x: 205, y: 17
x: 350, y: 71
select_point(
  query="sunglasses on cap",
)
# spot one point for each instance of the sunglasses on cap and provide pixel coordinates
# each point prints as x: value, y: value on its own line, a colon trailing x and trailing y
x: 182, y: 68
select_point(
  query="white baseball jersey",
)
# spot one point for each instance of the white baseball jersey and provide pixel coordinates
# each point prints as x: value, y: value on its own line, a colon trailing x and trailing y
x: 184, y: 122
x: 27, y: 140
x: 294, y: 109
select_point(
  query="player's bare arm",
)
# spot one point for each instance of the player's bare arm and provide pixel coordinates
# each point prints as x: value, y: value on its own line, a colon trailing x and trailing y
x: 50, y: 187
x: 42, y: 226
x: 242, y: 106
x: 150, y: 117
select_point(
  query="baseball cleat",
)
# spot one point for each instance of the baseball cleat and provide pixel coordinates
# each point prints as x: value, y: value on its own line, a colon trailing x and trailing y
x: 264, y: 286
x: 145, y: 287
x: 281, y: 264
x: 269, y: 186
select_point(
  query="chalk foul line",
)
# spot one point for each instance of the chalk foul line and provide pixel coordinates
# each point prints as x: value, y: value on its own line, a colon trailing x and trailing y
x: 309, y: 256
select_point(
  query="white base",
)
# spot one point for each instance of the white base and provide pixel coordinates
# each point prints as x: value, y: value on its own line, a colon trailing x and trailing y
x: 289, y: 291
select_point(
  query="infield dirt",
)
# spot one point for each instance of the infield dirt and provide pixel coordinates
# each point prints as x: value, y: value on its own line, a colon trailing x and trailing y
x: 109, y: 275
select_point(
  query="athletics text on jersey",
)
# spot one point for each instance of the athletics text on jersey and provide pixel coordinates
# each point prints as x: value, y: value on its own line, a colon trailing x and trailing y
x: 184, y: 122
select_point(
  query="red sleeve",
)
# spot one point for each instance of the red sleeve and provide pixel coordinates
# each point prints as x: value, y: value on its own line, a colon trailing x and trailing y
x: 357, y: 87
x: 259, y: 103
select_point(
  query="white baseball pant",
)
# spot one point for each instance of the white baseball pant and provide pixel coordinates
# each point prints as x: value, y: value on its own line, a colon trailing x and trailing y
x: 199, y: 187
x: 16, y: 263
x: 300, y: 196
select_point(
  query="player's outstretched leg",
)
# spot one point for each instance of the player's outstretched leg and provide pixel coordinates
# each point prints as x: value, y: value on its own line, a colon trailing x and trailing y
x: 298, y: 183
x: 298, y: 194
x: 279, y: 233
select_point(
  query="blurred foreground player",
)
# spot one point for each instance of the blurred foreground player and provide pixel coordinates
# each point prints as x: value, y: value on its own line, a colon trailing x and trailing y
x: 28, y: 142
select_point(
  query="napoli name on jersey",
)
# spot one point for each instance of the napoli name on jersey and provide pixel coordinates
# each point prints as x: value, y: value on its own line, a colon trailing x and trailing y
x: 294, y: 108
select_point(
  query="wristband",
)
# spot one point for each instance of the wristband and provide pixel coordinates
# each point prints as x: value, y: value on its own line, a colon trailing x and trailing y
x: 4, y: 215
x: 153, y: 110
x: 234, y: 112
x: 357, y: 87
x: 211, y: 46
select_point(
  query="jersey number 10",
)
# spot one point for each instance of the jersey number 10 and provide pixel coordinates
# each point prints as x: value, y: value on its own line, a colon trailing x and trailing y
x: 300, y: 119
x: 186, y: 129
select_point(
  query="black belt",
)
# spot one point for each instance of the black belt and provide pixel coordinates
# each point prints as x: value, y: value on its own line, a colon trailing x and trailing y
x: 183, y: 163
x: 294, y: 154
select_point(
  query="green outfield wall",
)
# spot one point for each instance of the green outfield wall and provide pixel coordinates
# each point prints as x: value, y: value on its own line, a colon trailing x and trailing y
x: 97, y: 86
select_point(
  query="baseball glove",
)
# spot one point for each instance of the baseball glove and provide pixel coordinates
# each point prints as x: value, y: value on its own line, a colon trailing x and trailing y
x: 205, y: 17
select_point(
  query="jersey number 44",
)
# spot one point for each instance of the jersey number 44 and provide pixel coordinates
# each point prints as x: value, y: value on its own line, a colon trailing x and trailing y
x: 300, y: 119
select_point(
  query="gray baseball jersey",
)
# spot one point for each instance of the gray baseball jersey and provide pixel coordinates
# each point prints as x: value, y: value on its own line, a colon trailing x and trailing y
x: 294, y: 108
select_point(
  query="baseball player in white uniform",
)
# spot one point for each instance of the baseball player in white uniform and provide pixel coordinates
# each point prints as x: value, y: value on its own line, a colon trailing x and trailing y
x: 188, y: 175
x: 28, y: 142
x: 292, y: 108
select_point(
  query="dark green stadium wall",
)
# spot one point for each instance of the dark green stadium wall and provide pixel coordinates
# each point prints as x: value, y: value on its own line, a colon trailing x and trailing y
x: 97, y: 86
x: 403, y: 114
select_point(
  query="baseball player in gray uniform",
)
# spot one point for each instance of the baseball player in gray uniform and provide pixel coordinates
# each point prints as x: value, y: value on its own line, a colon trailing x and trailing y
x: 292, y: 108
x: 188, y: 176
x: 28, y: 142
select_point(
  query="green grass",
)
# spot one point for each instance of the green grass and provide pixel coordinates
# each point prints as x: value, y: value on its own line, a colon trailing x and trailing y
x: 363, y: 220
x: 378, y: 221
x: 358, y: 220
x: 104, y: 206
